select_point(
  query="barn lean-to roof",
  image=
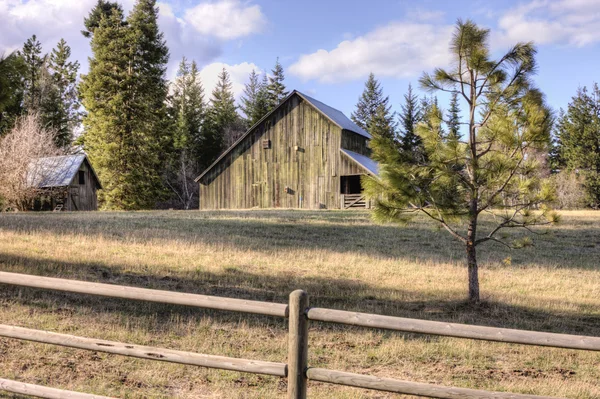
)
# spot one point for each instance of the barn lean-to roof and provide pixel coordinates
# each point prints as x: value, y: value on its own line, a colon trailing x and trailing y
x: 334, y: 115
x: 363, y: 161
x: 54, y: 172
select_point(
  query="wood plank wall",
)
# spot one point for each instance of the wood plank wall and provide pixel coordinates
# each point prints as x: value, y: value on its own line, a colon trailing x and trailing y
x: 301, y: 169
x: 82, y: 197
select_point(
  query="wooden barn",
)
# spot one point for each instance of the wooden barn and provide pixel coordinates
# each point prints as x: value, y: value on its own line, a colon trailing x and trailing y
x: 303, y: 154
x: 66, y: 183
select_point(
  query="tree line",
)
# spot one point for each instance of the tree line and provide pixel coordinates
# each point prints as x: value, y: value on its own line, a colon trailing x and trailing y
x: 571, y: 157
x: 148, y: 138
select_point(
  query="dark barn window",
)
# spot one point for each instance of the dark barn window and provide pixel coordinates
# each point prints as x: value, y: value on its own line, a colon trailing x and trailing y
x: 350, y: 184
x: 81, y: 177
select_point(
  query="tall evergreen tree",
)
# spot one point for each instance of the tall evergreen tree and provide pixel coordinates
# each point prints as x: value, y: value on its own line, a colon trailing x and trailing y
x: 102, y: 9
x: 254, y: 102
x: 34, y: 64
x: 12, y: 72
x: 276, y: 88
x: 187, y: 108
x: 224, y: 119
x: 261, y: 107
x: 369, y: 102
x: 124, y: 95
x: 60, y: 104
x: 408, y: 119
x: 578, y: 131
x: 453, y: 118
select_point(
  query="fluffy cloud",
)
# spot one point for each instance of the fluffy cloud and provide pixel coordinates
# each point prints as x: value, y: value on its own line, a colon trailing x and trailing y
x: 570, y: 22
x: 399, y: 49
x: 52, y: 20
x: 238, y: 73
x: 226, y: 19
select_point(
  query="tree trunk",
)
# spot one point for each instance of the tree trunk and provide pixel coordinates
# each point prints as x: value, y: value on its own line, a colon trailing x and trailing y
x: 473, y: 270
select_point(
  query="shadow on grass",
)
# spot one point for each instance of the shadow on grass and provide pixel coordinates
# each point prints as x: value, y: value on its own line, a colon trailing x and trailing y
x: 329, y: 293
x: 336, y: 231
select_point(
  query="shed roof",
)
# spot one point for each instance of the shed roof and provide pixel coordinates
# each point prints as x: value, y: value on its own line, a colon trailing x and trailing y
x: 332, y: 114
x: 363, y: 161
x: 52, y: 172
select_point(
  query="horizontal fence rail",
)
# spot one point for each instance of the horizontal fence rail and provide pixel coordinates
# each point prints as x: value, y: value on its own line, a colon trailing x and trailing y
x: 407, y: 387
x: 39, y: 391
x: 145, y: 294
x: 145, y: 352
x: 506, y: 335
x: 296, y: 370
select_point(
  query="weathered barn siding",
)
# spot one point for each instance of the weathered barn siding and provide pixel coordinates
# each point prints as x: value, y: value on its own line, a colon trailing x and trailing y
x: 301, y: 168
x: 82, y: 197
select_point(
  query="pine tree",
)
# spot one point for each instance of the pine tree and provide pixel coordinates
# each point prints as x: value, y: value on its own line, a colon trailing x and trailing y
x: 261, y: 106
x: 103, y: 9
x: 250, y: 98
x: 12, y: 72
x: 34, y: 64
x: 107, y: 95
x: 453, y: 118
x: 188, y: 111
x: 149, y: 66
x: 369, y: 102
x: 276, y: 88
x: 408, y: 119
x: 126, y: 129
x: 60, y: 103
x: 578, y: 131
x: 224, y: 119
x: 455, y: 182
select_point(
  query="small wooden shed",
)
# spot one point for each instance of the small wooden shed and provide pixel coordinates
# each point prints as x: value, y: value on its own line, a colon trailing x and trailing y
x: 66, y: 183
x: 303, y: 154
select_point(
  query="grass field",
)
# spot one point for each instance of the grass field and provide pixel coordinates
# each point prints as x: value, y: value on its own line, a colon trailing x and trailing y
x: 341, y: 258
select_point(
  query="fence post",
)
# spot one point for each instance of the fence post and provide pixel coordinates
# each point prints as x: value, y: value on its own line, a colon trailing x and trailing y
x: 297, y: 345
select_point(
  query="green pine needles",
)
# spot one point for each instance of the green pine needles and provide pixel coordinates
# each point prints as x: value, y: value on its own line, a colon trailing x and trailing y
x: 491, y: 169
x: 124, y: 94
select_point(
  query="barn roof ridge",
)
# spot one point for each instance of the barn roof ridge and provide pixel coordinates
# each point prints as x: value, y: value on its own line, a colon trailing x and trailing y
x: 336, y: 116
x: 61, y: 170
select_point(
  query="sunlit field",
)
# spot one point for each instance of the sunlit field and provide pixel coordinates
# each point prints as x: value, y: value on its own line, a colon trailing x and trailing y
x: 342, y: 259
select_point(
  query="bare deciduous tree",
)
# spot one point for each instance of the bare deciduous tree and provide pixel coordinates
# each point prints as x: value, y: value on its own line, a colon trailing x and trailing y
x: 27, y: 142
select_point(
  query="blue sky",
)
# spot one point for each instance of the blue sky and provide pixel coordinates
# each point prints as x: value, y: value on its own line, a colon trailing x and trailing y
x: 328, y: 47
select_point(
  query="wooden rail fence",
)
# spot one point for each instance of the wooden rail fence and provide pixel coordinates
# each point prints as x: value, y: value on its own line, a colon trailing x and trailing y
x: 296, y: 370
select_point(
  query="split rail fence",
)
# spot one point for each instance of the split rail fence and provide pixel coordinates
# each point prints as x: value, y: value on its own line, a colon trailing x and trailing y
x: 296, y: 370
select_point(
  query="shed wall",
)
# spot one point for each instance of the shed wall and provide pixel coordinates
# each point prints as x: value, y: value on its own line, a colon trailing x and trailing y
x: 83, y: 197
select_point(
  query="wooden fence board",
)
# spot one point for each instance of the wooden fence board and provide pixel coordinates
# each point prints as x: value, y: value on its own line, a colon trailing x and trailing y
x: 410, y: 388
x: 456, y: 330
x: 145, y: 294
x: 44, y: 392
x: 145, y: 352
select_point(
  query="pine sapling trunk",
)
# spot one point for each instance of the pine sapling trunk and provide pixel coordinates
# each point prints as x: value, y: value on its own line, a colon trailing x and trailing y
x: 473, y: 270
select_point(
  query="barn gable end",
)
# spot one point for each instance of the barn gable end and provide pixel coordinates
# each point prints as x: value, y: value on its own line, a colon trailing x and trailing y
x: 289, y: 159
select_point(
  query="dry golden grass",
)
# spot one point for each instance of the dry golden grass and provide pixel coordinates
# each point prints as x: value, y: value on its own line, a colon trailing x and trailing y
x: 342, y: 259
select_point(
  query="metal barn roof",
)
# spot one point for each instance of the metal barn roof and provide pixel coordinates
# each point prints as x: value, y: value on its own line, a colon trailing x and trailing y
x: 53, y: 172
x: 362, y: 160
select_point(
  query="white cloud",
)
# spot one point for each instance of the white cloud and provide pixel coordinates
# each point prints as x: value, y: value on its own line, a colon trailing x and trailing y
x: 51, y: 20
x: 399, y: 49
x: 238, y: 74
x: 570, y: 22
x: 226, y: 19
